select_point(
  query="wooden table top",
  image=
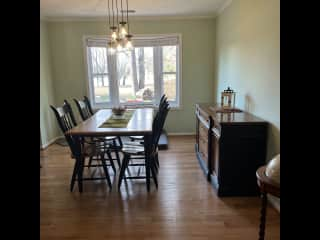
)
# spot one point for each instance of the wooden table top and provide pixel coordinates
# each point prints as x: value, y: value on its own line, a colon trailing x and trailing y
x: 242, y: 117
x: 139, y: 124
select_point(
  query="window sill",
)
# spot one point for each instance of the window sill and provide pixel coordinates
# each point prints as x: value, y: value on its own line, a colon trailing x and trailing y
x: 174, y: 108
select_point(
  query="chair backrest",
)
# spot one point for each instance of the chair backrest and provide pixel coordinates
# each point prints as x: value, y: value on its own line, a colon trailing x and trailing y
x: 70, y: 112
x: 162, y: 99
x: 87, y: 101
x: 83, y: 108
x: 158, y: 123
x: 66, y: 121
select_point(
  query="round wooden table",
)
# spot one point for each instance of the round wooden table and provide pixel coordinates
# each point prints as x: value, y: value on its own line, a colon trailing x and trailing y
x: 267, y: 186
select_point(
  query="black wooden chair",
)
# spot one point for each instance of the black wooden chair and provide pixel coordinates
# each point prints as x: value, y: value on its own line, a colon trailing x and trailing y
x: 66, y: 121
x: 140, y: 138
x: 85, y: 111
x: 133, y: 150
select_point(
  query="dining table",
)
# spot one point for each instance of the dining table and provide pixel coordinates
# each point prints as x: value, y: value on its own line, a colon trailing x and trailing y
x: 139, y: 124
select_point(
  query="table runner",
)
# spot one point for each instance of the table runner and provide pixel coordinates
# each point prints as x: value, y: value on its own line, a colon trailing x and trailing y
x: 114, y: 122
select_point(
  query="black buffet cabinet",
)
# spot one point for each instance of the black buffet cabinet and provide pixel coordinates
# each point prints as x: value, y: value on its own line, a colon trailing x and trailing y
x: 230, y: 147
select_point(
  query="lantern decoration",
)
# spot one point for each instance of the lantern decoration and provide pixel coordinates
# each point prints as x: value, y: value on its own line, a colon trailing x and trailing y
x: 228, y: 98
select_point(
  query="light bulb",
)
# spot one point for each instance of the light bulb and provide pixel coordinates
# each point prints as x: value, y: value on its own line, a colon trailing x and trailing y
x: 119, y: 47
x: 129, y: 45
x: 112, y: 50
x: 123, y: 31
x: 114, y: 35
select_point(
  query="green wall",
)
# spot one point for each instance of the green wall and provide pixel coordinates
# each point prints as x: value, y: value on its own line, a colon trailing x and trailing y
x: 198, y: 47
x: 248, y: 60
x: 48, y: 125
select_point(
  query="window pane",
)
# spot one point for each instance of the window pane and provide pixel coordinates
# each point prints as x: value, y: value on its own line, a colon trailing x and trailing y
x: 101, y: 88
x: 169, y: 54
x: 99, y: 75
x: 170, y: 86
x: 136, y: 76
x: 99, y: 60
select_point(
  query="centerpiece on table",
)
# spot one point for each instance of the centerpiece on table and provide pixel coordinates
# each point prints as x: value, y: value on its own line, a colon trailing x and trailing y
x: 118, y: 112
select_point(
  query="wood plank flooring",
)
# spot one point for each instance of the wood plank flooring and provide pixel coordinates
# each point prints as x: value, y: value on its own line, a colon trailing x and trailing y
x: 184, y: 206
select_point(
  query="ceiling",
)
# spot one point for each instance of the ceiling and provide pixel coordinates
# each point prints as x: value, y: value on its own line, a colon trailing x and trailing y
x: 98, y: 8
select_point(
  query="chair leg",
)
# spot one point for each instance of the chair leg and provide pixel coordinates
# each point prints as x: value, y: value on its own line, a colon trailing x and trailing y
x: 90, y: 161
x: 111, y: 161
x: 154, y: 176
x: 120, y: 141
x: 117, y: 153
x: 124, y: 165
x: 157, y: 160
x: 75, y: 171
x: 80, y: 173
x: 106, y: 171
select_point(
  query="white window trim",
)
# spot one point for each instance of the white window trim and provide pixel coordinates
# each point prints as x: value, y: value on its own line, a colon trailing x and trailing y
x: 89, y: 90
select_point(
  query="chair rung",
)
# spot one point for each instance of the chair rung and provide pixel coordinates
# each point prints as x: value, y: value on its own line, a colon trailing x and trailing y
x: 93, y: 178
x: 137, y: 164
x: 136, y: 177
x: 107, y: 159
x: 96, y: 165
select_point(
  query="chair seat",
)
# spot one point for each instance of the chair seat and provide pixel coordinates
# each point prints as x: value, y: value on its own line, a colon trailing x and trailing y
x: 138, y: 138
x: 133, y: 148
x: 91, y: 150
x: 102, y: 139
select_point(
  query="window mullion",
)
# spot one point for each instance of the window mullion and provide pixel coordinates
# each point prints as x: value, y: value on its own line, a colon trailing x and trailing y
x: 178, y: 80
x: 113, y: 82
x: 157, y: 73
x: 91, y: 82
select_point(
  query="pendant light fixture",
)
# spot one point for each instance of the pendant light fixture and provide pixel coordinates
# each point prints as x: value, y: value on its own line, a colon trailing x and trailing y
x: 120, y: 37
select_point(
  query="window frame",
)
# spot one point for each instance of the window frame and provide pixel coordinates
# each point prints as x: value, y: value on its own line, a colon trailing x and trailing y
x: 175, y: 105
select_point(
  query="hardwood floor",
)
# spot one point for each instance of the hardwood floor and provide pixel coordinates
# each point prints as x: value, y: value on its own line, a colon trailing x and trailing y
x: 184, y: 206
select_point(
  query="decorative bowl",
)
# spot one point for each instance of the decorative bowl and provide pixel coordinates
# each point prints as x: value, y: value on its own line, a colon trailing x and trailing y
x: 118, y: 111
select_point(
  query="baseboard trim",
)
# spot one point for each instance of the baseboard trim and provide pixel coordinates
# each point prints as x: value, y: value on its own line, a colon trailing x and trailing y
x: 181, y: 134
x: 44, y: 146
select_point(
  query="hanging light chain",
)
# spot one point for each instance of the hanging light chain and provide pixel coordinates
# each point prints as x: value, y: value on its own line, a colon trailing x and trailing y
x: 121, y: 12
x: 128, y: 17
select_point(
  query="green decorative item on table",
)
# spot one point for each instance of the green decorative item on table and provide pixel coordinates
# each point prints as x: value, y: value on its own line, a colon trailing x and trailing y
x: 119, y: 119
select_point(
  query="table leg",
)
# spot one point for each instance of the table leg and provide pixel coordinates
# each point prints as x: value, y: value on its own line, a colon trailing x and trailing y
x: 263, y: 216
x: 147, y: 149
x: 79, y: 159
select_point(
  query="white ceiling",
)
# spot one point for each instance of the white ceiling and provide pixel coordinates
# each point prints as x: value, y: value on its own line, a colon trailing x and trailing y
x: 98, y: 8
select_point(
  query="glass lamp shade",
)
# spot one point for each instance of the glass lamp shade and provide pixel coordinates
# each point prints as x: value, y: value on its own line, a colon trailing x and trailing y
x: 119, y: 47
x: 123, y: 30
x: 111, y: 47
x: 114, y: 35
x: 129, y: 45
x: 273, y: 169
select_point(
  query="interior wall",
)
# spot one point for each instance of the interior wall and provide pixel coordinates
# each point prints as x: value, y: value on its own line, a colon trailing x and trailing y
x: 48, y: 125
x: 198, y: 46
x: 248, y: 60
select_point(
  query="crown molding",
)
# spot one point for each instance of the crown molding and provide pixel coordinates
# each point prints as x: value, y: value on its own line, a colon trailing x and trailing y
x: 132, y: 18
x: 223, y: 6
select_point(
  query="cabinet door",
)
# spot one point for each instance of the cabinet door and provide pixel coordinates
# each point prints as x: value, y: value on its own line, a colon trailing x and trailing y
x: 215, y: 151
x: 203, y: 141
